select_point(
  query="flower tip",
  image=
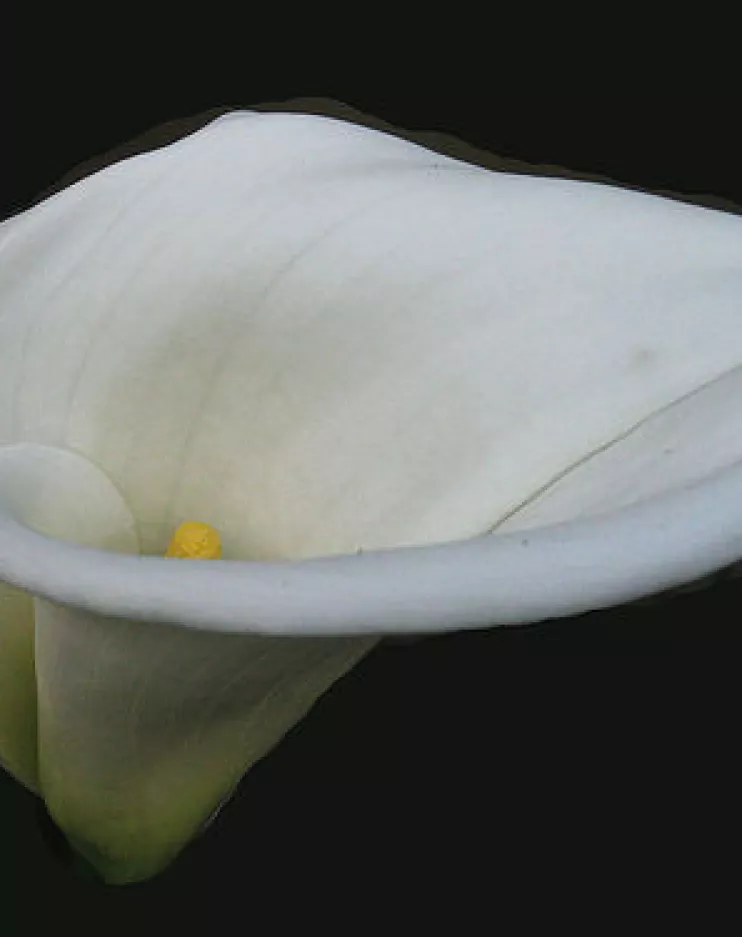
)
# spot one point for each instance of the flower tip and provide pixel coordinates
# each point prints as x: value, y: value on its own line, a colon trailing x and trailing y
x: 194, y: 540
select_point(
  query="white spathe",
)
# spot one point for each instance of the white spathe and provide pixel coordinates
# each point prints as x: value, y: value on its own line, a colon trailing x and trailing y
x: 330, y: 344
x: 132, y: 731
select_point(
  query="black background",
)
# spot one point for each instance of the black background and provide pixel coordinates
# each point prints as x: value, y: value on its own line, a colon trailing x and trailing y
x: 489, y: 756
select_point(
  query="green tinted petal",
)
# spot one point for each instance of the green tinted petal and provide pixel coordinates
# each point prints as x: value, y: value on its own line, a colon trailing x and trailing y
x: 17, y: 685
x: 145, y: 728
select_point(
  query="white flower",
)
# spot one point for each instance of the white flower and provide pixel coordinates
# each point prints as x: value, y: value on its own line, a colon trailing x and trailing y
x: 355, y: 359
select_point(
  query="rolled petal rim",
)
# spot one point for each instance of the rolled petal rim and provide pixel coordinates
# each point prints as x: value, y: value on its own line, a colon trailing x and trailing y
x: 496, y: 579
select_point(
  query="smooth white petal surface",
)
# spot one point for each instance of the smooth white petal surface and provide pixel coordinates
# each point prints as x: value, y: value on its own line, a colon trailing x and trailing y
x: 694, y: 439
x: 322, y: 339
x: 327, y: 342
x: 319, y: 338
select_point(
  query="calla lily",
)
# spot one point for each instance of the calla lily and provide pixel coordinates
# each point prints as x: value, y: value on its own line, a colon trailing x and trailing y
x: 410, y: 394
